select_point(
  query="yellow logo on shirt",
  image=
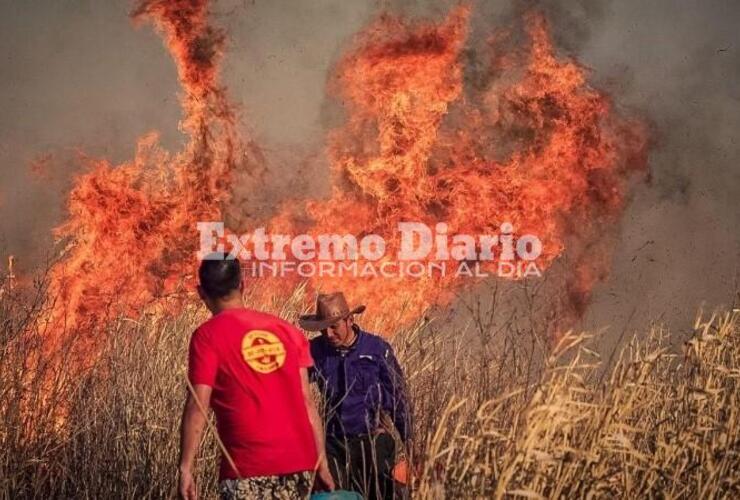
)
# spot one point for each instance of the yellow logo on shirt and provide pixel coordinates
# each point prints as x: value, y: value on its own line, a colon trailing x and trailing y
x: 263, y: 351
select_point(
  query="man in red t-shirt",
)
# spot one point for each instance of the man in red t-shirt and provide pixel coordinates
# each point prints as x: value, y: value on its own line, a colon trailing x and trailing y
x: 251, y: 368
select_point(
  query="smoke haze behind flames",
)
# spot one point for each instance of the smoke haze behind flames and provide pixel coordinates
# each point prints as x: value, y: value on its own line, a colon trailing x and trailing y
x: 76, y: 75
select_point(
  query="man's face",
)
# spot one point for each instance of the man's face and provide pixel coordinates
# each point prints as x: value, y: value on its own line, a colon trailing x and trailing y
x: 340, y: 334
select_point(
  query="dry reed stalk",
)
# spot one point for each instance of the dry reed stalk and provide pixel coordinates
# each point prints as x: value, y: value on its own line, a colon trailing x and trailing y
x: 510, y: 420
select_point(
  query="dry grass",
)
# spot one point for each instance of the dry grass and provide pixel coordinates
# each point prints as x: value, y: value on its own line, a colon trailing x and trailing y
x: 494, y: 415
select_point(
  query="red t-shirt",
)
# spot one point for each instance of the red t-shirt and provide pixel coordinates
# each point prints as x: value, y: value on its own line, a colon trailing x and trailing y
x: 252, y: 361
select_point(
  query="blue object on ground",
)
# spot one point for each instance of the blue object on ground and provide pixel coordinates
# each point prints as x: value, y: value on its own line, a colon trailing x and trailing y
x: 337, y: 495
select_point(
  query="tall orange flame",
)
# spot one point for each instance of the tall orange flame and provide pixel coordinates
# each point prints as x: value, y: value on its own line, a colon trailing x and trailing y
x: 537, y: 147
x: 131, y: 229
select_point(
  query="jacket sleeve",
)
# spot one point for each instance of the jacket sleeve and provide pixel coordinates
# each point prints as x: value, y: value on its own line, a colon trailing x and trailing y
x: 395, y: 394
x: 314, y: 375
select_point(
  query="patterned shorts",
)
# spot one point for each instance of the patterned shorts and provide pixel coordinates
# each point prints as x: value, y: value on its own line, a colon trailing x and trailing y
x: 287, y: 487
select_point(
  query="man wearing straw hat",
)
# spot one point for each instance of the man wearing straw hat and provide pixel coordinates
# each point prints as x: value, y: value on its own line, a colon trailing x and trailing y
x: 251, y: 368
x: 360, y: 378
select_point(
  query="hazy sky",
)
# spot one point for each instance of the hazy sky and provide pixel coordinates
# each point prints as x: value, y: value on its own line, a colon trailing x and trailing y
x: 78, y: 75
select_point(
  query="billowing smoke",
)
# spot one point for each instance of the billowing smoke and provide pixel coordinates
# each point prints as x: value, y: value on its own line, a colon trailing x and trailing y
x: 673, y: 63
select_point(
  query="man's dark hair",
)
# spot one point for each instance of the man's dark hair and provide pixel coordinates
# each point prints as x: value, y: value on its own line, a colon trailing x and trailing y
x: 219, y: 275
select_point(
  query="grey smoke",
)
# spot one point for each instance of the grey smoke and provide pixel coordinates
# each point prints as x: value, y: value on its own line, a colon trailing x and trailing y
x: 77, y: 75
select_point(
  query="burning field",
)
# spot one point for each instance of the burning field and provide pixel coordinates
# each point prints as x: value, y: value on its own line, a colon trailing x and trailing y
x: 495, y: 136
x: 534, y: 146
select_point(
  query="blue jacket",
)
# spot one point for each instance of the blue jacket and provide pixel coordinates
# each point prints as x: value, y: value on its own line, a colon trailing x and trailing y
x: 356, y: 385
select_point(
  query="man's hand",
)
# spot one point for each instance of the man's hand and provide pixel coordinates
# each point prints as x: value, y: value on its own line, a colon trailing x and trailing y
x: 324, y: 475
x: 187, y: 488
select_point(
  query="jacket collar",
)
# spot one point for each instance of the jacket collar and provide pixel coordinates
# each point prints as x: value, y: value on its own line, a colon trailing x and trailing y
x: 360, y: 338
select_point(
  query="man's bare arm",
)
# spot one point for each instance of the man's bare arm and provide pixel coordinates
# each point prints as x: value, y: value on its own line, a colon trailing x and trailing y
x: 318, y: 431
x: 191, y: 431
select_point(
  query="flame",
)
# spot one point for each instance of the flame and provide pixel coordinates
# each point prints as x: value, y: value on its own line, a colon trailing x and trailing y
x: 131, y: 228
x: 418, y: 147
x: 536, y: 146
